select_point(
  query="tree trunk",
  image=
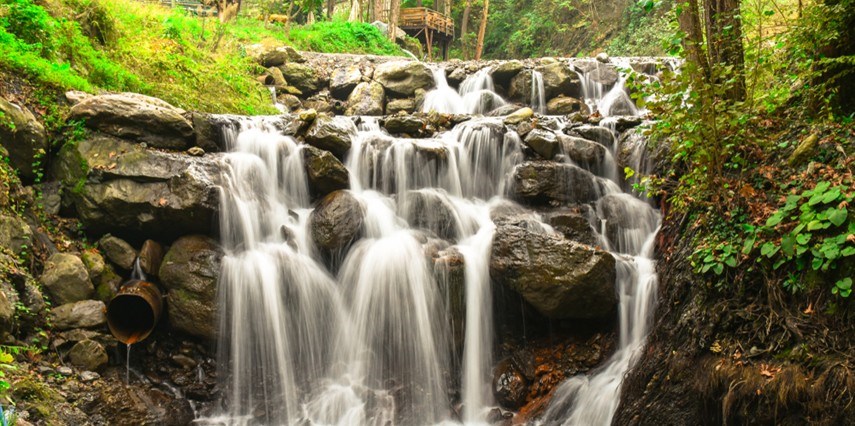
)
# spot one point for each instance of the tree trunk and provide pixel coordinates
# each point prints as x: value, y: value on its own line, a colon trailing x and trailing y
x: 481, y: 30
x: 394, y: 13
x: 464, y: 29
x: 724, y: 42
x: 354, y: 11
x: 688, y: 17
x: 330, y: 8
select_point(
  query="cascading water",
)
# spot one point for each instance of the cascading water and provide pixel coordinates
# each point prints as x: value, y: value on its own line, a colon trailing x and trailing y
x: 477, y: 95
x: 367, y: 339
x: 538, y: 93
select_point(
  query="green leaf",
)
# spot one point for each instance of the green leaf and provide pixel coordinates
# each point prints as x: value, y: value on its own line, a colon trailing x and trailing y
x: 775, y: 219
x: 837, y: 216
x: 730, y: 261
x: 816, y: 263
x: 803, y: 239
x: 718, y: 268
x: 848, y: 251
x: 787, y: 243
x: 749, y: 244
x: 769, y: 249
x: 831, y: 195
x: 815, y: 224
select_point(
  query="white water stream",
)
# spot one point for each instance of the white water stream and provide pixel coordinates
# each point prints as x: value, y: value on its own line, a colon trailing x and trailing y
x: 367, y: 340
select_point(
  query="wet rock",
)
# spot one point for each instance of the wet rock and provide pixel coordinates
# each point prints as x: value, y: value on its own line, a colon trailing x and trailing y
x: 366, y: 99
x: 505, y: 71
x: 333, y: 134
x: 546, y: 182
x: 560, y: 278
x: 405, y: 124
x: 208, y: 133
x: 520, y: 87
x: 543, y: 142
x: 603, y: 57
x: 625, y: 123
x: 7, y: 315
x: 195, y: 151
x: 504, y: 110
x: 189, y: 273
x: 66, y: 279
x: 305, y: 78
x: 325, y: 172
x: 621, y: 106
x: 564, y: 105
x: 432, y: 211
x: 151, y: 256
x: 65, y: 371
x: 336, y: 221
x: 322, y: 103
x: 125, y: 189
x: 103, y: 277
x: 456, y: 76
x: 83, y: 314
x: 518, y: 116
x: 23, y: 137
x: 560, y: 79
x: 89, y: 376
x: 184, y: 361
x: 599, y: 134
x: 598, y: 72
x: 344, y: 79
x: 137, y: 117
x: 450, y: 271
x: 395, y: 106
x: 88, y: 355
x: 583, y: 152
x: 403, y: 78
x: 15, y: 234
x: 574, y: 224
x: 118, y: 251
x: 510, y: 386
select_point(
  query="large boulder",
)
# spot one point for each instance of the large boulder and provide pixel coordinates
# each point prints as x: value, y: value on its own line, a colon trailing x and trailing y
x: 137, y: 117
x: 82, y: 314
x: 325, y: 172
x: 366, y: 99
x: 403, y: 78
x: 510, y: 386
x: 336, y: 221
x: 88, y: 355
x: 565, y: 105
x: 598, y: 72
x: 560, y: 278
x: 344, y: 79
x: 505, y: 71
x: 189, y: 274
x: 23, y: 137
x: 333, y: 134
x: 405, y: 124
x: 543, y: 142
x: 575, y: 224
x: 583, y: 152
x: 66, y: 279
x: 102, y: 275
x: 118, y: 251
x: 305, y: 78
x: 598, y: 134
x: 132, y: 191
x: 560, y: 79
x: 15, y: 234
x: 430, y: 210
x: 273, y: 55
x: 395, y: 106
x: 547, y: 182
x: 520, y: 87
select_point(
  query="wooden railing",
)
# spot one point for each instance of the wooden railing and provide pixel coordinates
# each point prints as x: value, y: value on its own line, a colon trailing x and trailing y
x: 420, y: 17
x: 188, y: 5
x: 417, y: 18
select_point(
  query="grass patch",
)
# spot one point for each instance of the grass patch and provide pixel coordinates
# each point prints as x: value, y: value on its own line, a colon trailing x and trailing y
x: 190, y: 61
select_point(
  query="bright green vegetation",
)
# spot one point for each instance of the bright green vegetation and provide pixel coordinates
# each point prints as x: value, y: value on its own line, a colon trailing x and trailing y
x: 762, y: 155
x: 190, y: 61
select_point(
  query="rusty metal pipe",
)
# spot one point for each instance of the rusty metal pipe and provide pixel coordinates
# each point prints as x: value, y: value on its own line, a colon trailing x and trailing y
x: 133, y: 313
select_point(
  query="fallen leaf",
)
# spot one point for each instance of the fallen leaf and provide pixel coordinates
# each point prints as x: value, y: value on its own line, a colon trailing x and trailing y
x: 162, y: 202
x: 809, y: 309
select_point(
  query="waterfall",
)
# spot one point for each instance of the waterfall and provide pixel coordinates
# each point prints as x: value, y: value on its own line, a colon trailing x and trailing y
x: 538, y: 93
x: 477, y: 95
x: 385, y: 334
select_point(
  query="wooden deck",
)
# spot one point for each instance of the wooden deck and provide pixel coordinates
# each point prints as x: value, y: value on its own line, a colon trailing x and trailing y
x: 427, y: 25
x: 422, y: 18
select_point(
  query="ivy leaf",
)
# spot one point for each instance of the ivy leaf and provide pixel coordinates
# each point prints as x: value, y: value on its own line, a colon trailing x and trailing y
x: 730, y: 261
x: 803, y: 239
x: 749, y: 244
x: 787, y: 243
x: 831, y: 195
x: 775, y: 219
x: 769, y: 249
x: 718, y: 268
